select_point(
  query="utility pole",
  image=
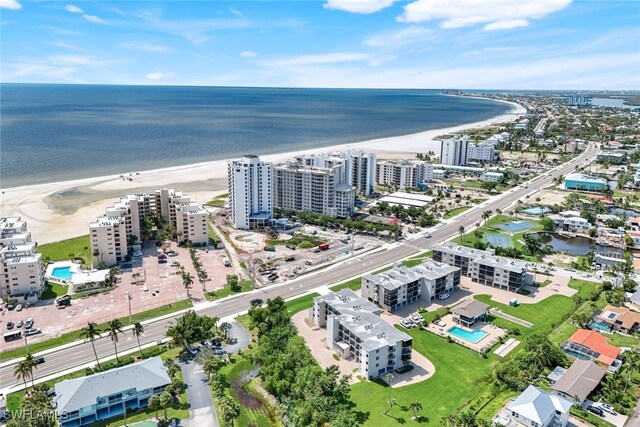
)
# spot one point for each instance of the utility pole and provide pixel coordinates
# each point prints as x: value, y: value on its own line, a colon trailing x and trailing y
x: 129, y: 301
x: 24, y: 334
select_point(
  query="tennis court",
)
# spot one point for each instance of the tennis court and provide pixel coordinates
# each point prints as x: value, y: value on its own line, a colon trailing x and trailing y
x: 498, y: 240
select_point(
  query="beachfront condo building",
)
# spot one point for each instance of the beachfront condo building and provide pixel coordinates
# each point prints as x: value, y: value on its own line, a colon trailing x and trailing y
x: 402, y: 285
x: 250, y: 192
x: 112, y: 234
x: 355, y: 331
x: 404, y: 173
x: 481, y: 153
x: 358, y: 167
x: 22, y: 276
x: 453, y: 151
x: 321, y: 190
x: 484, y: 266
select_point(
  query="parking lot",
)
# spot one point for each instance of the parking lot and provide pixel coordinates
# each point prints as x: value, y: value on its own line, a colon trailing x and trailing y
x: 160, y: 284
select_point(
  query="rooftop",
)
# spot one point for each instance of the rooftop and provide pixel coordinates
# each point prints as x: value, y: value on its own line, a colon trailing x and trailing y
x: 620, y: 315
x: 470, y: 308
x: 538, y: 405
x: 400, y: 274
x: 346, y: 300
x: 373, y: 330
x: 596, y: 342
x: 584, y: 178
x: 580, y: 379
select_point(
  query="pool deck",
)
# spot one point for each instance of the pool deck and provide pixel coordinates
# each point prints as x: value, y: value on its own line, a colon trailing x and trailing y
x: 446, y: 322
x: 78, y: 275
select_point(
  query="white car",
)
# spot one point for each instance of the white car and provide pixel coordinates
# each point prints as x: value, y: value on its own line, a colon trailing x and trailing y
x: 406, y: 324
x: 608, y: 408
x: 416, y: 318
x: 427, y: 236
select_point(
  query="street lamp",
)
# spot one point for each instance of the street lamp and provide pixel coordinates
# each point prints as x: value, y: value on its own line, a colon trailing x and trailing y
x: 129, y: 301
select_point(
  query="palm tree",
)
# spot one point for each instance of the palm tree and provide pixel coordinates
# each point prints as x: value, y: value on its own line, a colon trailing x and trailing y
x: 31, y: 361
x: 90, y: 333
x: 115, y: 327
x: 225, y: 327
x: 461, y: 231
x: 187, y: 281
x: 23, y: 371
x: 486, y: 215
x: 165, y: 402
x: 137, y: 331
x: 631, y: 364
x: 415, y: 406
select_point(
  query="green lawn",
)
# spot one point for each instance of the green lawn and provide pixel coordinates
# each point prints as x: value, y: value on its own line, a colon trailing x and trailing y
x: 80, y: 247
x: 53, y: 290
x: 456, y: 211
x: 299, y: 240
x: 75, y: 335
x: 212, y: 234
x: 218, y: 201
x: 299, y: 304
x: 245, y: 286
x: 461, y: 375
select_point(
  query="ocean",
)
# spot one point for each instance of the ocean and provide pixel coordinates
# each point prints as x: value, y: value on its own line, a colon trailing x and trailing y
x: 52, y: 132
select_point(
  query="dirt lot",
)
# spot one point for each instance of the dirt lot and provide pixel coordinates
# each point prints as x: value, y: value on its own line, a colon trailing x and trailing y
x: 164, y: 286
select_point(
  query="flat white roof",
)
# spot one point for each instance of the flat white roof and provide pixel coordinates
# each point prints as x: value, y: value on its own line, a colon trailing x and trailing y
x: 411, y: 196
x: 401, y: 201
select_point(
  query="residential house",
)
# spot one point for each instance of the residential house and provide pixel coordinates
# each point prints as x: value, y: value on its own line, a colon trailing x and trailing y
x: 579, y: 381
x: 590, y: 345
x: 537, y: 408
x: 88, y: 399
x: 617, y: 319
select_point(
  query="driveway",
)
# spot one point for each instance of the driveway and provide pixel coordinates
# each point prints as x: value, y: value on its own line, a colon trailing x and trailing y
x: 618, y: 420
x: 240, y: 339
x: 201, y: 411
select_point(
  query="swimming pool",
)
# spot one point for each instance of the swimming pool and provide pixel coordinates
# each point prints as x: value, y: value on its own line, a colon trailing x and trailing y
x: 536, y: 210
x: 63, y: 273
x: 473, y: 337
x: 516, y: 225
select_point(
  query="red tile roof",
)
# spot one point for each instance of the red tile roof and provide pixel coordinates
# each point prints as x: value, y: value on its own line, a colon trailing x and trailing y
x: 597, y: 343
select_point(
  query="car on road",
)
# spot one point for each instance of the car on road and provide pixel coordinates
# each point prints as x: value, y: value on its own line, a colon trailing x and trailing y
x: 19, y: 324
x: 595, y: 410
x: 428, y: 235
x: 10, y: 325
x: 256, y: 301
x: 40, y: 360
x: 608, y: 408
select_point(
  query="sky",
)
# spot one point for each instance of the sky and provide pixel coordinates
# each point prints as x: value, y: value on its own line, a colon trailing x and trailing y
x: 455, y: 44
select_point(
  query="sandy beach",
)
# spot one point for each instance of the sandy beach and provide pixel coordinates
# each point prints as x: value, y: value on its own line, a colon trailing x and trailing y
x: 62, y: 210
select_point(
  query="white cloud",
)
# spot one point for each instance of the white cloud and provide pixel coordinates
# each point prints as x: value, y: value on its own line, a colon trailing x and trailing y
x: 94, y: 19
x: 359, y: 6
x: 406, y: 36
x: 10, y: 4
x: 329, y: 58
x: 248, y: 54
x: 73, y: 9
x: 496, y: 14
x: 236, y: 12
x: 506, y: 24
x: 145, y: 46
x: 158, y: 76
x: 64, y: 45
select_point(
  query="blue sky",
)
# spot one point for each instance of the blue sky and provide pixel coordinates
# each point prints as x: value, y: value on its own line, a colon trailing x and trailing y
x: 503, y: 44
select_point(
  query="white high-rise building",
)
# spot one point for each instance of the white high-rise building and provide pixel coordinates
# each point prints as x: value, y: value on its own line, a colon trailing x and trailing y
x: 250, y: 192
x: 112, y: 233
x: 22, y: 271
x: 359, y: 168
x: 404, y: 173
x: 484, y: 153
x: 321, y: 190
x: 454, y: 150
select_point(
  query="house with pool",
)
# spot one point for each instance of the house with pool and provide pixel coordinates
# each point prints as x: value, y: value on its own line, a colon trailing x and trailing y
x: 469, y: 312
x: 591, y: 345
x: 583, y: 182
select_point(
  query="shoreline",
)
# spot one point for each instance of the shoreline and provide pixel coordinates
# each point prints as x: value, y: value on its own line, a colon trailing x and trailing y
x: 54, y: 210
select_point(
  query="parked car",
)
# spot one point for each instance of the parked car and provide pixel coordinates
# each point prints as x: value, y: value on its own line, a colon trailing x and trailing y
x: 416, y: 318
x: 19, y: 324
x: 595, y: 410
x: 172, y: 253
x: 33, y: 331
x: 10, y: 325
x: 40, y: 360
x: 162, y: 256
x: 216, y: 342
x: 193, y: 351
x: 175, y: 264
x: 162, y: 261
x: 608, y: 408
x: 19, y: 307
x: 10, y: 307
x: 28, y: 323
x: 406, y: 323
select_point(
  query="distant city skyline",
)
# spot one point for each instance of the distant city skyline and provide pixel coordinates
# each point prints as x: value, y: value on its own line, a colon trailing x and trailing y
x: 498, y: 44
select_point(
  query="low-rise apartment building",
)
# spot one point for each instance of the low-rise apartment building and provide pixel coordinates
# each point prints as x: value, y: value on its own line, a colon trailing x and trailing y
x: 21, y: 267
x: 402, y: 285
x: 492, y: 177
x: 482, y: 153
x: 484, y: 266
x: 113, y: 233
x: 356, y: 331
x: 108, y: 394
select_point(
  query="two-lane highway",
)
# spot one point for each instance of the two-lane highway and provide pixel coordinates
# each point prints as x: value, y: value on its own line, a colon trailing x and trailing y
x: 70, y: 357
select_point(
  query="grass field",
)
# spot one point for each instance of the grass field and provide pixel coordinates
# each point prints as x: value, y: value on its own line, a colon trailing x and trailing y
x: 80, y: 247
x: 456, y: 211
x: 53, y: 290
x: 299, y: 304
x: 75, y: 335
x: 245, y: 286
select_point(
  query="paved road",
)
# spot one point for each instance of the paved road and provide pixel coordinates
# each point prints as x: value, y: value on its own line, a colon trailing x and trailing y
x: 80, y: 354
x: 201, y: 409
